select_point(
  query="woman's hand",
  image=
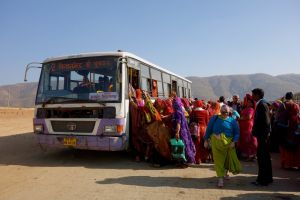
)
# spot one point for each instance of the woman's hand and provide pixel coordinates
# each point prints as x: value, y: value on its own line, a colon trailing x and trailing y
x: 205, y: 144
x: 177, y: 131
x: 232, y: 145
x: 177, y: 136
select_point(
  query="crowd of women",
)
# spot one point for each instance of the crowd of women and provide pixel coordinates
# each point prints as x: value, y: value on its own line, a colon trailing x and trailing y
x: 215, y: 131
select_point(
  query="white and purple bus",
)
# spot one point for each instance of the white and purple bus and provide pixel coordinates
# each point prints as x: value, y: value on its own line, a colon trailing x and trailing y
x: 82, y: 100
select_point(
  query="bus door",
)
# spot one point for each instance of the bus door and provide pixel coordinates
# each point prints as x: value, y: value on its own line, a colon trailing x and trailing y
x: 133, y: 77
x: 174, y: 86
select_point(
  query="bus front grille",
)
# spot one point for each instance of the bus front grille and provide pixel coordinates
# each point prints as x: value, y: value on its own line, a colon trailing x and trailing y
x: 73, y: 126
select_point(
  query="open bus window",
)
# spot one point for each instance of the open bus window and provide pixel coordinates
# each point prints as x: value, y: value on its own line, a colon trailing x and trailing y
x: 154, y: 88
x: 133, y: 78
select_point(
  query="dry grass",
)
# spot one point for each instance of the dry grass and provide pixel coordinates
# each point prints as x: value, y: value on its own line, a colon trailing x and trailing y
x: 15, y: 121
x: 16, y: 112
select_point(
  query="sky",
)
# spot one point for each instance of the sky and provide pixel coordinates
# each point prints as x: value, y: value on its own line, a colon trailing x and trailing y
x: 187, y: 37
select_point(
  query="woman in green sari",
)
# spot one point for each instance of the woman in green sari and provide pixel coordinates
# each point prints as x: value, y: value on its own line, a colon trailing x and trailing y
x: 223, y: 132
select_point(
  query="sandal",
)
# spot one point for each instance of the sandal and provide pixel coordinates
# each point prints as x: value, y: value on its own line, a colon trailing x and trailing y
x: 220, y: 183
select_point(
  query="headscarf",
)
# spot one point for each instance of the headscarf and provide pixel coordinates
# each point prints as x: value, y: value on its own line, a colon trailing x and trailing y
x: 198, y: 104
x: 159, y: 105
x: 185, y: 102
x: 138, y: 93
x: 139, y: 98
x: 169, y: 107
x: 178, y: 117
x: 248, y: 98
x: 177, y: 105
x: 215, y: 108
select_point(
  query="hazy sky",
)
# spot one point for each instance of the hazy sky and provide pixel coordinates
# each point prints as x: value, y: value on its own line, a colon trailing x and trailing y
x: 199, y: 38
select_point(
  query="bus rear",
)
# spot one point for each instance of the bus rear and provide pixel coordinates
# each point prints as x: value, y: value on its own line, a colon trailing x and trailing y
x: 79, y: 103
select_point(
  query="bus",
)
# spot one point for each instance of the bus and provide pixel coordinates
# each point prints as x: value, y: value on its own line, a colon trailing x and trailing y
x: 82, y: 100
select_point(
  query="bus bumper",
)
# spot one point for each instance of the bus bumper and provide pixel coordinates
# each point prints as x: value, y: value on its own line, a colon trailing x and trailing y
x: 102, y: 143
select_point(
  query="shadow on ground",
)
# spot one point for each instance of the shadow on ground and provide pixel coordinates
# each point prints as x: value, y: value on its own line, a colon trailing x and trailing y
x: 22, y: 149
x: 235, y: 183
x: 263, y: 196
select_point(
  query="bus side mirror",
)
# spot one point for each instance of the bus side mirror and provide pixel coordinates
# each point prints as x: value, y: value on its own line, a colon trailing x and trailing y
x: 30, y: 65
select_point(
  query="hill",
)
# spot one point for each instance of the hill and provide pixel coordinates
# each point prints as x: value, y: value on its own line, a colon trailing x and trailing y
x: 23, y: 94
x: 215, y: 86
x: 18, y: 95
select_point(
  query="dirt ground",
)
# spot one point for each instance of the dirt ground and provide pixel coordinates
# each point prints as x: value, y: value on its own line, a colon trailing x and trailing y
x: 27, y: 173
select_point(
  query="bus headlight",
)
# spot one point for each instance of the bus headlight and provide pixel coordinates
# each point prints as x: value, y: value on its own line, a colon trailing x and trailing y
x: 110, y: 129
x: 38, y: 128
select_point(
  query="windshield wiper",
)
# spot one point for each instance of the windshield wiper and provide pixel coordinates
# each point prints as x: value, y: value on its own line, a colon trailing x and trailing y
x: 55, y: 100
x: 84, y: 101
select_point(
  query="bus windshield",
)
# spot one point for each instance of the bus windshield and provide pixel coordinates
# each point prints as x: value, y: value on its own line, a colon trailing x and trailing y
x: 92, y: 79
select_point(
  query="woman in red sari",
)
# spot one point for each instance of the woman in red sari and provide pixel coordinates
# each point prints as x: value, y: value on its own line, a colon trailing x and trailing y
x: 247, y: 144
x: 199, y: 117
x: 290, y: 142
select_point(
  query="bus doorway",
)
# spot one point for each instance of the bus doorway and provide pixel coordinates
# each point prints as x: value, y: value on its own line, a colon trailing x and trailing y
x: 174, y: 86
x: 133, y: 77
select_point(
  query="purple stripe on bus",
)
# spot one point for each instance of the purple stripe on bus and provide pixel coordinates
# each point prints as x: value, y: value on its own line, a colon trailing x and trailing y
x: 107, y: 122
x: 84, y: 142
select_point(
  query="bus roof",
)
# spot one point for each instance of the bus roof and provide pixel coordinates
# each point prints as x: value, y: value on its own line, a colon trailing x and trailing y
x: 119, y: 53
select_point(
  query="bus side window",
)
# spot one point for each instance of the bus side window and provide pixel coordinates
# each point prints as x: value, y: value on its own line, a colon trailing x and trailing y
x: 160, y: 89
x: 154, y: 88
x: 146, y: 84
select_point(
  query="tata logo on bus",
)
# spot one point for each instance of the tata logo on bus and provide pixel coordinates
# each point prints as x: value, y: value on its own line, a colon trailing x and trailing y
x: 71, y: 126
x: 104, y: 96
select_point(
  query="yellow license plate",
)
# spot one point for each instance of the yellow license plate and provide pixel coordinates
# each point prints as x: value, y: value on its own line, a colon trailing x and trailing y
x: 70, y: 141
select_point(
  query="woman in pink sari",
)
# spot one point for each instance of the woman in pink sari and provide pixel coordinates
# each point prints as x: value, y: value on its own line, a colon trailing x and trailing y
x: 247, y: 144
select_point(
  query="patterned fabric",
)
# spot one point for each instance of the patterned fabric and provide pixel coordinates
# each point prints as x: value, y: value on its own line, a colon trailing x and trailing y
x: 178, y: 117
x: 160, y: 135
x: 159, y: 105
x: 151, y: 111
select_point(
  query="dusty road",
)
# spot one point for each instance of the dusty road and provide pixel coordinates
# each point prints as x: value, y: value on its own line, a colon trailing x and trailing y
x: 27, y: 173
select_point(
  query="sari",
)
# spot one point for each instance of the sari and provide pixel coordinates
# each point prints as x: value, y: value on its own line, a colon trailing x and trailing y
x: 139, y: 139
x: 225, y: 157
x: 247, y: 144
x: 150, y: 111
x: 178, y: 117
x: 200, y: 116
x: 290, y: 157
x: 223, y: 131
